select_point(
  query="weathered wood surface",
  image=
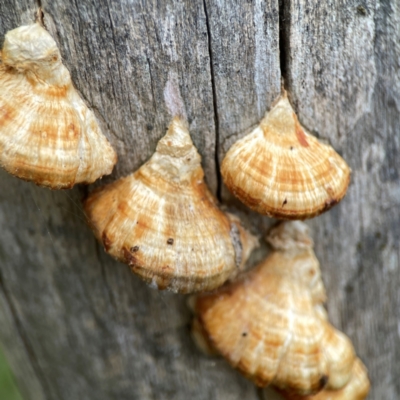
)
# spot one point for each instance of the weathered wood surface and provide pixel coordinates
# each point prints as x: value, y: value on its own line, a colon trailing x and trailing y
x: 74, y: 323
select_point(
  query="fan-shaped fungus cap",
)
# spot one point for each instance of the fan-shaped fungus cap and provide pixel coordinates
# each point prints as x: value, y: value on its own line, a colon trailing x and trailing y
x: 356, y: 389
x: 163, y: 221
x: 266, y: 325
x: 47, y: 133
x: 282, y: 171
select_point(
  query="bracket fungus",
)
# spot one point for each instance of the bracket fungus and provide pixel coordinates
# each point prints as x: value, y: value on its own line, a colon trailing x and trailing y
x: 164, y: 223
x: 47, y: 133
x: 282, y: 171
x: 269, y: 324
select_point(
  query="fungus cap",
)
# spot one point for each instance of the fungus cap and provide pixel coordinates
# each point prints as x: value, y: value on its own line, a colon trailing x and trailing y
x: 267, y: 326
x: 47, y: 133
x: 282, y: 171
x: 165, y: 224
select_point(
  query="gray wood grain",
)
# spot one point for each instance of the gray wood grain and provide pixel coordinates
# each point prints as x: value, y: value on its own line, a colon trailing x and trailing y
x: 120, y: 55
x: 76, y: 324
x: 245, y: 64
x: 342, y: 68
x: 95, y: 330
x: 17, y: 344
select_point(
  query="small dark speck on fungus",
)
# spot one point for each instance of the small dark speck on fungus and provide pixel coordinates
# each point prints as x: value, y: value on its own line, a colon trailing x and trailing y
x: 170, y: 241
x: 323, y: 381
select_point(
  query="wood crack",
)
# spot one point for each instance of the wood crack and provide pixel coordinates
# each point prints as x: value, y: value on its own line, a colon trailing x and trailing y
x: 260, y: 393
x: 149, y: 65
x: 215, y: 105
x: 116, y: 58
x: 24, y: 338
x: 284, y: 41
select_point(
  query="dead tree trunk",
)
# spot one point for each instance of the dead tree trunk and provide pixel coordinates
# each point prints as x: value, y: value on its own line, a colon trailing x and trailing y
x: 77, y: 325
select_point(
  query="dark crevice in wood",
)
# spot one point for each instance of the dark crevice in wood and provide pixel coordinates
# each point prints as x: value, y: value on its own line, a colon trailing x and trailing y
x: 284, y: 41
x: 115, y: 44
x: 84, y: 192
x: 153, y: 92
x: 39, y: 17
x: 260, y: 393
x: 24, y: 339
x: 108, y: 8
x: 215, y: 105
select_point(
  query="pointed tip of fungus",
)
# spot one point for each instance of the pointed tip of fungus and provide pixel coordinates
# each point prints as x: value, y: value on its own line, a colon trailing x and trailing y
x: 177, y: 141
x: 290, y: 235
x: 281, y: 119
x: 29, y: 44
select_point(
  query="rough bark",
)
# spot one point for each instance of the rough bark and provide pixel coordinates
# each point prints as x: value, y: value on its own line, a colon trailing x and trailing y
x: 76, y: 324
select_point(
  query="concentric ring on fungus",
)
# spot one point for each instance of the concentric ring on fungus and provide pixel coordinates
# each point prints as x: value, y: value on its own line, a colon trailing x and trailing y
x: 282, y: 171
x: 47, y: 133
x: 268, y: 324
x: 165, y: 224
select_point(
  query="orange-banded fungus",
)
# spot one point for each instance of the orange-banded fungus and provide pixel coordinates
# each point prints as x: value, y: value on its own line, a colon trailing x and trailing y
x: 47, y: 133
x: 282, y: 171
x: 165, y: 224
x: 268, y: 326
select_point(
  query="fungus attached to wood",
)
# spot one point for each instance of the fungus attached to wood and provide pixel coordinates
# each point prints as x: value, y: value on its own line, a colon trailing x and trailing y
x: 47, y: 133
x: 164, y: 211
x: 282, y: 171
x: 269, y: 324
